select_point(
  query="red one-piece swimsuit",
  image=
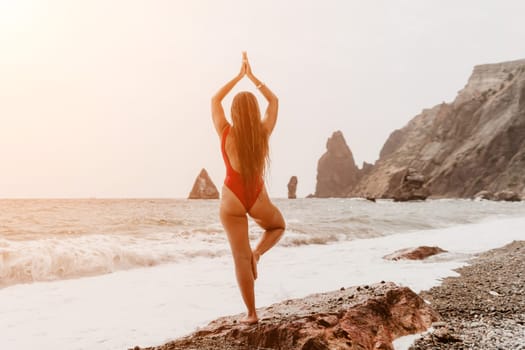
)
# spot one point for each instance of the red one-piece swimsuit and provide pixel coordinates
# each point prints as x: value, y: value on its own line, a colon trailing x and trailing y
x: 234, y: 180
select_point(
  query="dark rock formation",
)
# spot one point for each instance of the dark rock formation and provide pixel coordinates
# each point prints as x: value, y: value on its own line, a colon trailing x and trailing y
x: 418, y: 253
x: 484, y: 195
x: 411, y: 186
x: 204, y: 188
x: 336, y: 169
x: 475, y: 143
x: 368, y: 317
x: 292, y: 187
x: 505, y: 195
x: 509, y: 196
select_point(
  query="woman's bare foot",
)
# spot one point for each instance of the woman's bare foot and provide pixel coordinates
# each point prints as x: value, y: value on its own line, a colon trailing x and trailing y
x: 249, y: 320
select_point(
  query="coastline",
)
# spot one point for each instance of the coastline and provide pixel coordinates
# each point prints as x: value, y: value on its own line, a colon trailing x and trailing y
x: 481, y: 308
x: 484, y: 307
x: 173, y: 299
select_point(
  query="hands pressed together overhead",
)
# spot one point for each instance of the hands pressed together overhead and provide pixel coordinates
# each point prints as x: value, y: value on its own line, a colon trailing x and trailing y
x: 246, y: 69
x: 270, y: 115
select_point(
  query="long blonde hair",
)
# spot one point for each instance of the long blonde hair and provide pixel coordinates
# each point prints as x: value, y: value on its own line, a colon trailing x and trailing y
x: 251, y: 138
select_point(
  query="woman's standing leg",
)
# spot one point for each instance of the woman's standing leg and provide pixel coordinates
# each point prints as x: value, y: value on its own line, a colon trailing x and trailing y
x: 236, y: 227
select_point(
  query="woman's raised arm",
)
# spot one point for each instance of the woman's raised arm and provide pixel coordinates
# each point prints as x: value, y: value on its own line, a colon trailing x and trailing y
x: 270, y: 116
x: 217, y: 112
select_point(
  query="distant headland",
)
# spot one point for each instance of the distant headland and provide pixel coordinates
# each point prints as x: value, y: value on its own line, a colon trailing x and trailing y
x: 471, y: 147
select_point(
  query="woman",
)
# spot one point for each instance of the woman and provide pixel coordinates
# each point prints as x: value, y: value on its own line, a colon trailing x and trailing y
x: 244, y: 146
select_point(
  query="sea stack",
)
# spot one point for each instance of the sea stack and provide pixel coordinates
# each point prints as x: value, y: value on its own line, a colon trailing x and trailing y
x: 204, y: 188
x: 336, y: 169
x: 292, y: 188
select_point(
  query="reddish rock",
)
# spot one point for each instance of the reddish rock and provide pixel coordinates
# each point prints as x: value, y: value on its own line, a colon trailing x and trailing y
x: 351, y: 318
x: 204, y: 188
x: 418, y: 253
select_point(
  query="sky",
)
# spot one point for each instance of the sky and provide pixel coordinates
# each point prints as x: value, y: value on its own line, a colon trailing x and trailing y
x: 112, y: 98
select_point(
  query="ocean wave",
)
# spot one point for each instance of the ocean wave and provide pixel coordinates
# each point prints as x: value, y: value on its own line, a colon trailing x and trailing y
x: 53, y: 258
x: 59, y: 257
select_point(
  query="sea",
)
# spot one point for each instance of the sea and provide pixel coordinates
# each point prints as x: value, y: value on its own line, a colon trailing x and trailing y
x: 116, y: 273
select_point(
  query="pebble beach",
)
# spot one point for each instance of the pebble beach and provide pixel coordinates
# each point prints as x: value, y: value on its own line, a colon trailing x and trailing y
x: 483, y: 308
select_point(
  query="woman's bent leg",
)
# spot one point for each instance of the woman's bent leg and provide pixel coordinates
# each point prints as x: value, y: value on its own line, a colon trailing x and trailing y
x: 236, y: 227
x: 271, y: 220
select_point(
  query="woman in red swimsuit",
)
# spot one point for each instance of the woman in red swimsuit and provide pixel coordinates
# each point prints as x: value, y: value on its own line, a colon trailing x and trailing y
x: 244, y: 146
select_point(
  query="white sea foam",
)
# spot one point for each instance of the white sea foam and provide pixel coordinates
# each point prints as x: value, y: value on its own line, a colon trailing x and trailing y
x: 48, y: 259
x: 152, y: 305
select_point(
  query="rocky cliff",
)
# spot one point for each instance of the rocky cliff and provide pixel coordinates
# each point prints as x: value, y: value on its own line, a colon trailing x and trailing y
x: 476, y: 142
x: 204, y: 188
